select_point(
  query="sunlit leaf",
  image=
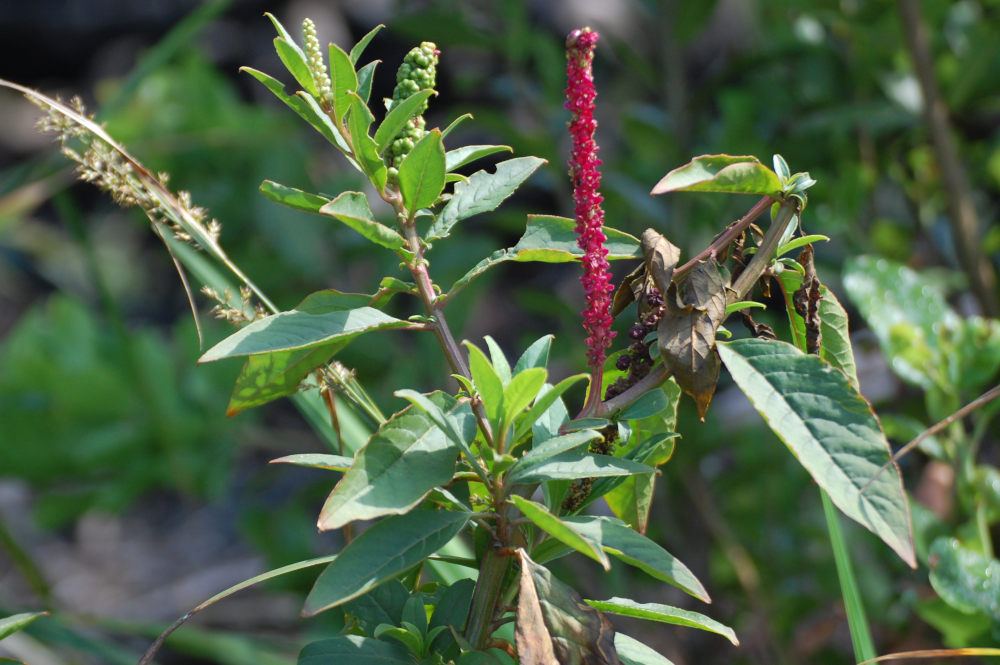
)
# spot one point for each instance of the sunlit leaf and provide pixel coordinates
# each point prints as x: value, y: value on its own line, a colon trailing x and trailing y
x: 421, y: 173
x: 469, y: 153
x: 396, y: 119
x: 966, y: 579
x: 560, y: 530
x: 343, y: 81
x: 15, y: 622
x: 483, y: 193
x: 721, y: 173
x: 351, y: 208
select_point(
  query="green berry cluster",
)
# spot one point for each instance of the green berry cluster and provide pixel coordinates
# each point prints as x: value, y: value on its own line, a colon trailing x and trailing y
x: 418, y: 72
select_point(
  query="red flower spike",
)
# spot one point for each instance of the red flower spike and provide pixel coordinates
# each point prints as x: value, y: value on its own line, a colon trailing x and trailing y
x: 583, y: 169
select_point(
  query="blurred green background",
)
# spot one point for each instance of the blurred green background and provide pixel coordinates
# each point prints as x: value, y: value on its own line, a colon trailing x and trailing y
x: 127, y: 496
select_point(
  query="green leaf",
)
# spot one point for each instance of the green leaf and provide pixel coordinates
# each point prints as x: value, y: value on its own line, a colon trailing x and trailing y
x: 487, y: 382
x: 452, y: 426
x: 400, y: 464
x: 536, y: 355
x: 343, y: 81
x: 650, y: 404
x: 282, y: 32
x: 317, y: 461
x: 15, y: 622
x: 269, y: 376
x: 356, y: 650
x: 383, y: 604
x: 635, y: 549
x: 291, y: 197
x: 801, y: 241
x: 631, y: 498
x: 362, y: 44
x: 304, y: 105
x: 365, y: 151
x: 521, y: 391
x: 721, y: 173
x: 743, y: 304
x: 549, y: 239
x: 300, y: 330
x: 396, y: 119
x: 499, y: 360
x: 550, y: 448
x: 573, y: 465
x: 634, y: 652
x: 421, y: 174
x: 836, y: 347
x: 830, y: 429
x: 352, y: 209
x: 459, y: 157
x: 555, y: 527
x: 295, y: 62
x: 966, y: 579
x: 365, y: 76
x: 664, y: 614
x: 483, y: 193
x: 385, y: 550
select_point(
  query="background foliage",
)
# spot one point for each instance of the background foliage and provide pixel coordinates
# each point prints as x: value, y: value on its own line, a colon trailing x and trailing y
x: 105, y: 419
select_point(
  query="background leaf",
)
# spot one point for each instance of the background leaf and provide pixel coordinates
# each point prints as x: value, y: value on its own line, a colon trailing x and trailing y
x: 966, y: 579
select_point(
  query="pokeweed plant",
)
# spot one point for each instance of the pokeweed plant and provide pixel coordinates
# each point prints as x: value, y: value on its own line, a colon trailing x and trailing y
x: 500, y: 460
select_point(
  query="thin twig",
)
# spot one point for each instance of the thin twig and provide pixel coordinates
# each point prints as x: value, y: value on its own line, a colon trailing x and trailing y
x: 983, y: 399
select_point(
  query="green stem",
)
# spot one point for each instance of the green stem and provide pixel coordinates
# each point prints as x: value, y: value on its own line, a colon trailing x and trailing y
x: 33, y: 575
x: 765, y: 253
x: 857, y: 621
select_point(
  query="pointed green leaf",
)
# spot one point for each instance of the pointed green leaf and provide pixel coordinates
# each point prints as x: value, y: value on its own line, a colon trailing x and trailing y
x: 487, y: 382
x: 352, y: 209
x: 400, y: 464
x: 483, y: 193
x: 295, y: 62
x: 499, y: 360
x: 421, y: 173
x: 317, y: 461
x: 801, y: 241
x: 282, y: 32
x: 966, y: 579
x: 356, y: 650
x: 830, y: 429
x: 836, y: 348
x: 362, y: 44
x: 664, y: 614
x: 304, y: 105
x: 291, y: 197
x: 387, y: 549
x: 650, y: 404
x: 721, y: 173
x: 555, y: 527
x: 522, y: 391
x: 452, y: 426
x: 343, y: 81
x: 365, y: 152
x: 299, y: 330
x: 365, y: 76
x: 635, y: 549
x: 459, y: 157
x: 573, y: 465
x: 633, y: 652
x: 396, y: 119
x: 536, y: 355
x: 15, y: 622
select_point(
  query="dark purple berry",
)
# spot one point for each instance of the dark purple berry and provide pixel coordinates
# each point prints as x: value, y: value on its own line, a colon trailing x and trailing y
x: 623, y: 362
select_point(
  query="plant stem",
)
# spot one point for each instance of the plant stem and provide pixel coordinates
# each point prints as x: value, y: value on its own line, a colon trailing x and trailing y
x: 489, y: 585
x: 727, y: 236
x: 765, y: 253
x: 861, y: 639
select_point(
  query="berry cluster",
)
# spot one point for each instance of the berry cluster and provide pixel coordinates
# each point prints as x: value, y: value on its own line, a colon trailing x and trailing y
x: 637, y: 359
x: 317, y: 66
x: 418, y: 72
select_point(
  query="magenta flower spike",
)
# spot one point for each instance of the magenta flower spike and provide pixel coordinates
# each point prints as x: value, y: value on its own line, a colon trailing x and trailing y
x: 583, y: 169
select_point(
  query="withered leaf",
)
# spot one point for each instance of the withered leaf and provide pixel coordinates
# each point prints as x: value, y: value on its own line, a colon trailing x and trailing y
x: 628, y: 291
x: 806, y: 300
x: 686, y: 333
x: 661, y: 257
x: 577, y: 633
